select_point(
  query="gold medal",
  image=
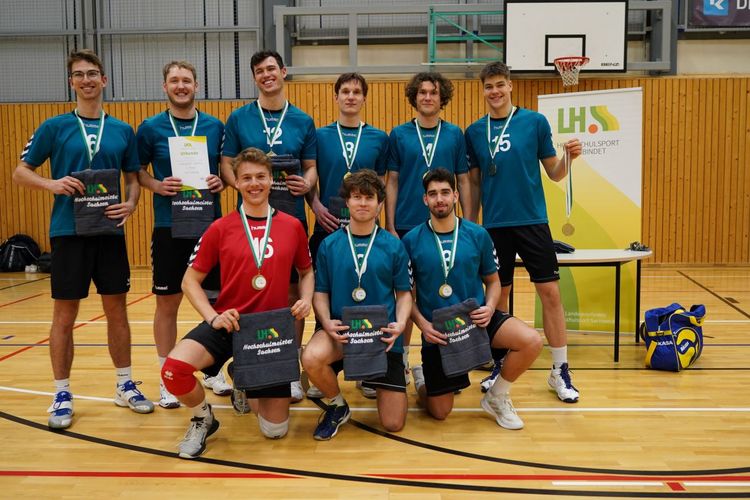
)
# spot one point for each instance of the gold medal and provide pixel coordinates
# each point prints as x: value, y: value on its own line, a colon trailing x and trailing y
x: 568, y: 229
x: 270, y: 154
x: 348, y: 174
x: 359, y: 294
x: 259, y: 282
x: 445, y: 290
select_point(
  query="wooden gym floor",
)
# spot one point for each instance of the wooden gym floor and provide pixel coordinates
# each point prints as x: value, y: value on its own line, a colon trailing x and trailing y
x: 635, y: 432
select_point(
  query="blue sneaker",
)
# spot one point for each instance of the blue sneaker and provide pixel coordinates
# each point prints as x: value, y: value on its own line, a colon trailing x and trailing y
x: 559, y: 381
x: 127, y: 395
x: 330, y: 421
x: 490, y: 379
x: 61, y: 411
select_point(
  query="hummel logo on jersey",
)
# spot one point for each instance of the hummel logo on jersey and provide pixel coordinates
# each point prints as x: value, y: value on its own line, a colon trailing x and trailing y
x: 27, y: 147
x: 195, y: 252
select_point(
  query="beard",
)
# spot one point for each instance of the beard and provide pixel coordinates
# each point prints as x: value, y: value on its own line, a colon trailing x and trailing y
x: 441, y: 213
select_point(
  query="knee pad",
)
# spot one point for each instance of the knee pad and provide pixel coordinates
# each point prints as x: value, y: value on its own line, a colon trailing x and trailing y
x: 271, y: 430
x: 178, y: 376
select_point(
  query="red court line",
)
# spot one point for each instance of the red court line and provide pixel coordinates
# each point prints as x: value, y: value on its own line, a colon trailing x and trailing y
x: 675, y: 486
x: 21, y: 300
x: 43, y: 341
x: 560, y: 477
x: 185, y: 475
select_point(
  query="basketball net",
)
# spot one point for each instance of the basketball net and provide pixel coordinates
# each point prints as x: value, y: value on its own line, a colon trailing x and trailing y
x: 569, y: 67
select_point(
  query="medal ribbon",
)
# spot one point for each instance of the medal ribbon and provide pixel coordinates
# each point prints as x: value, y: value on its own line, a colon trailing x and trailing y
x: 91, y: 150
x: 428, y: 158
x: 349, y: 159
x: 360, y: 270
x: 174, y: 125
x: 493, y: 151
x: 446, y: 266
x: 263, y: 243
x: 568, y: 186
x: 271, y: 132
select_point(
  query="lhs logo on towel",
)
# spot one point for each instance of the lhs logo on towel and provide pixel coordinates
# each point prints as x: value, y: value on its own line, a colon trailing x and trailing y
x: 454, y: 324
x: 266, y: 334
x: 96, y: 189
x: 191, y: 194
x: 360, y: 324
x: 280, y: 175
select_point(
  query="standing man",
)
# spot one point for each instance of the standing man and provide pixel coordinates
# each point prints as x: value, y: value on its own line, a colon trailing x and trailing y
x: 256, y: 248
x: 169, y: 255
x: 86, y: 138
x: 504, y: 149
x: 451, y: 260
x: 346, y: 146
x: 276, y: 127
x: 416, y: 147
x: 359, y: 265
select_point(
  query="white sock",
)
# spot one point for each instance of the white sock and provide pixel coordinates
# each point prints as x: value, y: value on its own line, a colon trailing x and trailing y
x: 123, y: 374
x: 500, y: 387
x: 418, y: 374
x: 162, y: 360
x: 337, y: 400
x: 406, y: 357
x: 559, y: 356
x: 202, y: 410
x: 62, y: 384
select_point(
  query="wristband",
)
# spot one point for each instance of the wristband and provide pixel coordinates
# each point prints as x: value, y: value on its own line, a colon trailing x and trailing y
x: 211, y: 323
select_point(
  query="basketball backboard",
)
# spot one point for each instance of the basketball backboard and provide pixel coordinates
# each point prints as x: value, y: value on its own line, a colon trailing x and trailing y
x: 538, y: 31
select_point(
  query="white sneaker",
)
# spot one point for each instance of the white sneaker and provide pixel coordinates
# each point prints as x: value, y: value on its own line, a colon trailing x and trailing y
x: 314, y: 393
x: 61, y: 411
x: 367, y: 392
x: 168, y: 400
x: 128, y: 395
x: 194, y: 442
x: 218, y: 384
x: 297, y: 393
x: 560, y: 382
x: 502, y: 409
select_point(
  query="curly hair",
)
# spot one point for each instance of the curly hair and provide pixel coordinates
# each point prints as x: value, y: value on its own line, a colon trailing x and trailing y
x: 443, y: 84
x: 364, y: 181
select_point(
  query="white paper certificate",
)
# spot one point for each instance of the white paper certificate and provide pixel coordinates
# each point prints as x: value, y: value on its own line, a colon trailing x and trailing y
x: 189, y: 158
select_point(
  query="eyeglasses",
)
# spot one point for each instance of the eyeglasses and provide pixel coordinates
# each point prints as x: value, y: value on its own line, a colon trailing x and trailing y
x: 91, y: 74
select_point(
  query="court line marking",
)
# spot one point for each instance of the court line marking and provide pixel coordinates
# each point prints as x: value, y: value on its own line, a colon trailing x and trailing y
x: 22, y: 300
x: 717, y: 483
x: 76, y: 326
x: 561, y: 409
x: 733, y: 306
x: 24, y: 283
x: 607, y: 483
x: 365, y: 479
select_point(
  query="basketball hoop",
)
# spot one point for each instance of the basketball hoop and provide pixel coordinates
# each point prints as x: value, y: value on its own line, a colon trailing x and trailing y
x: 569, y: 68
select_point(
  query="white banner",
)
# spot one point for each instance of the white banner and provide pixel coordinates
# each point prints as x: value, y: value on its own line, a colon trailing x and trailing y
x: 606, y: 197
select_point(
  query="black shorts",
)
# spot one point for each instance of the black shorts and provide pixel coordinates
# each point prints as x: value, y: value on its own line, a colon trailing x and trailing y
x: 315, y: 240
x: 169, y: 260
x: 218, y: 343
x: 394, y: 379
x: 533, y: 244
x: 436, y: 382
x: 76, y: 260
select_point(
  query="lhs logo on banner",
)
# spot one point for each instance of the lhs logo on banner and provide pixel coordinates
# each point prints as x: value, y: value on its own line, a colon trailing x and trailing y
x: 716, y: 7
x: 573, y: 120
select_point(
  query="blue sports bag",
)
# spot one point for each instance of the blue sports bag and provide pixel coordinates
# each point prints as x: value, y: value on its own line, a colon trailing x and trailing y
x: 673, y: 336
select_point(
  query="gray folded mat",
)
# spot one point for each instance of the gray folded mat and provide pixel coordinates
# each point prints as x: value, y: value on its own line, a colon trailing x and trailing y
x: 468, y: 345
x: 281, y: 198
x: 192, y: 213
x: 265, y: 352
x: 102, y: 190
x: 364, y: 354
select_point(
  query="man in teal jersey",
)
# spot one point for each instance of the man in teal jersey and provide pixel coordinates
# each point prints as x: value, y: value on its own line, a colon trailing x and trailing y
x: 417, y: 146
x: 84, y: 139
x: 379, y: 276
x: 277, y: 127
x: 169, y: 255
x: 345, y: 146
x: 454, y: 260
x: 504, y: 149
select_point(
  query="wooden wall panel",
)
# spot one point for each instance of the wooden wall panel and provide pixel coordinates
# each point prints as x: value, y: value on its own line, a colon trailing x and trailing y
x: 696, y: 152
